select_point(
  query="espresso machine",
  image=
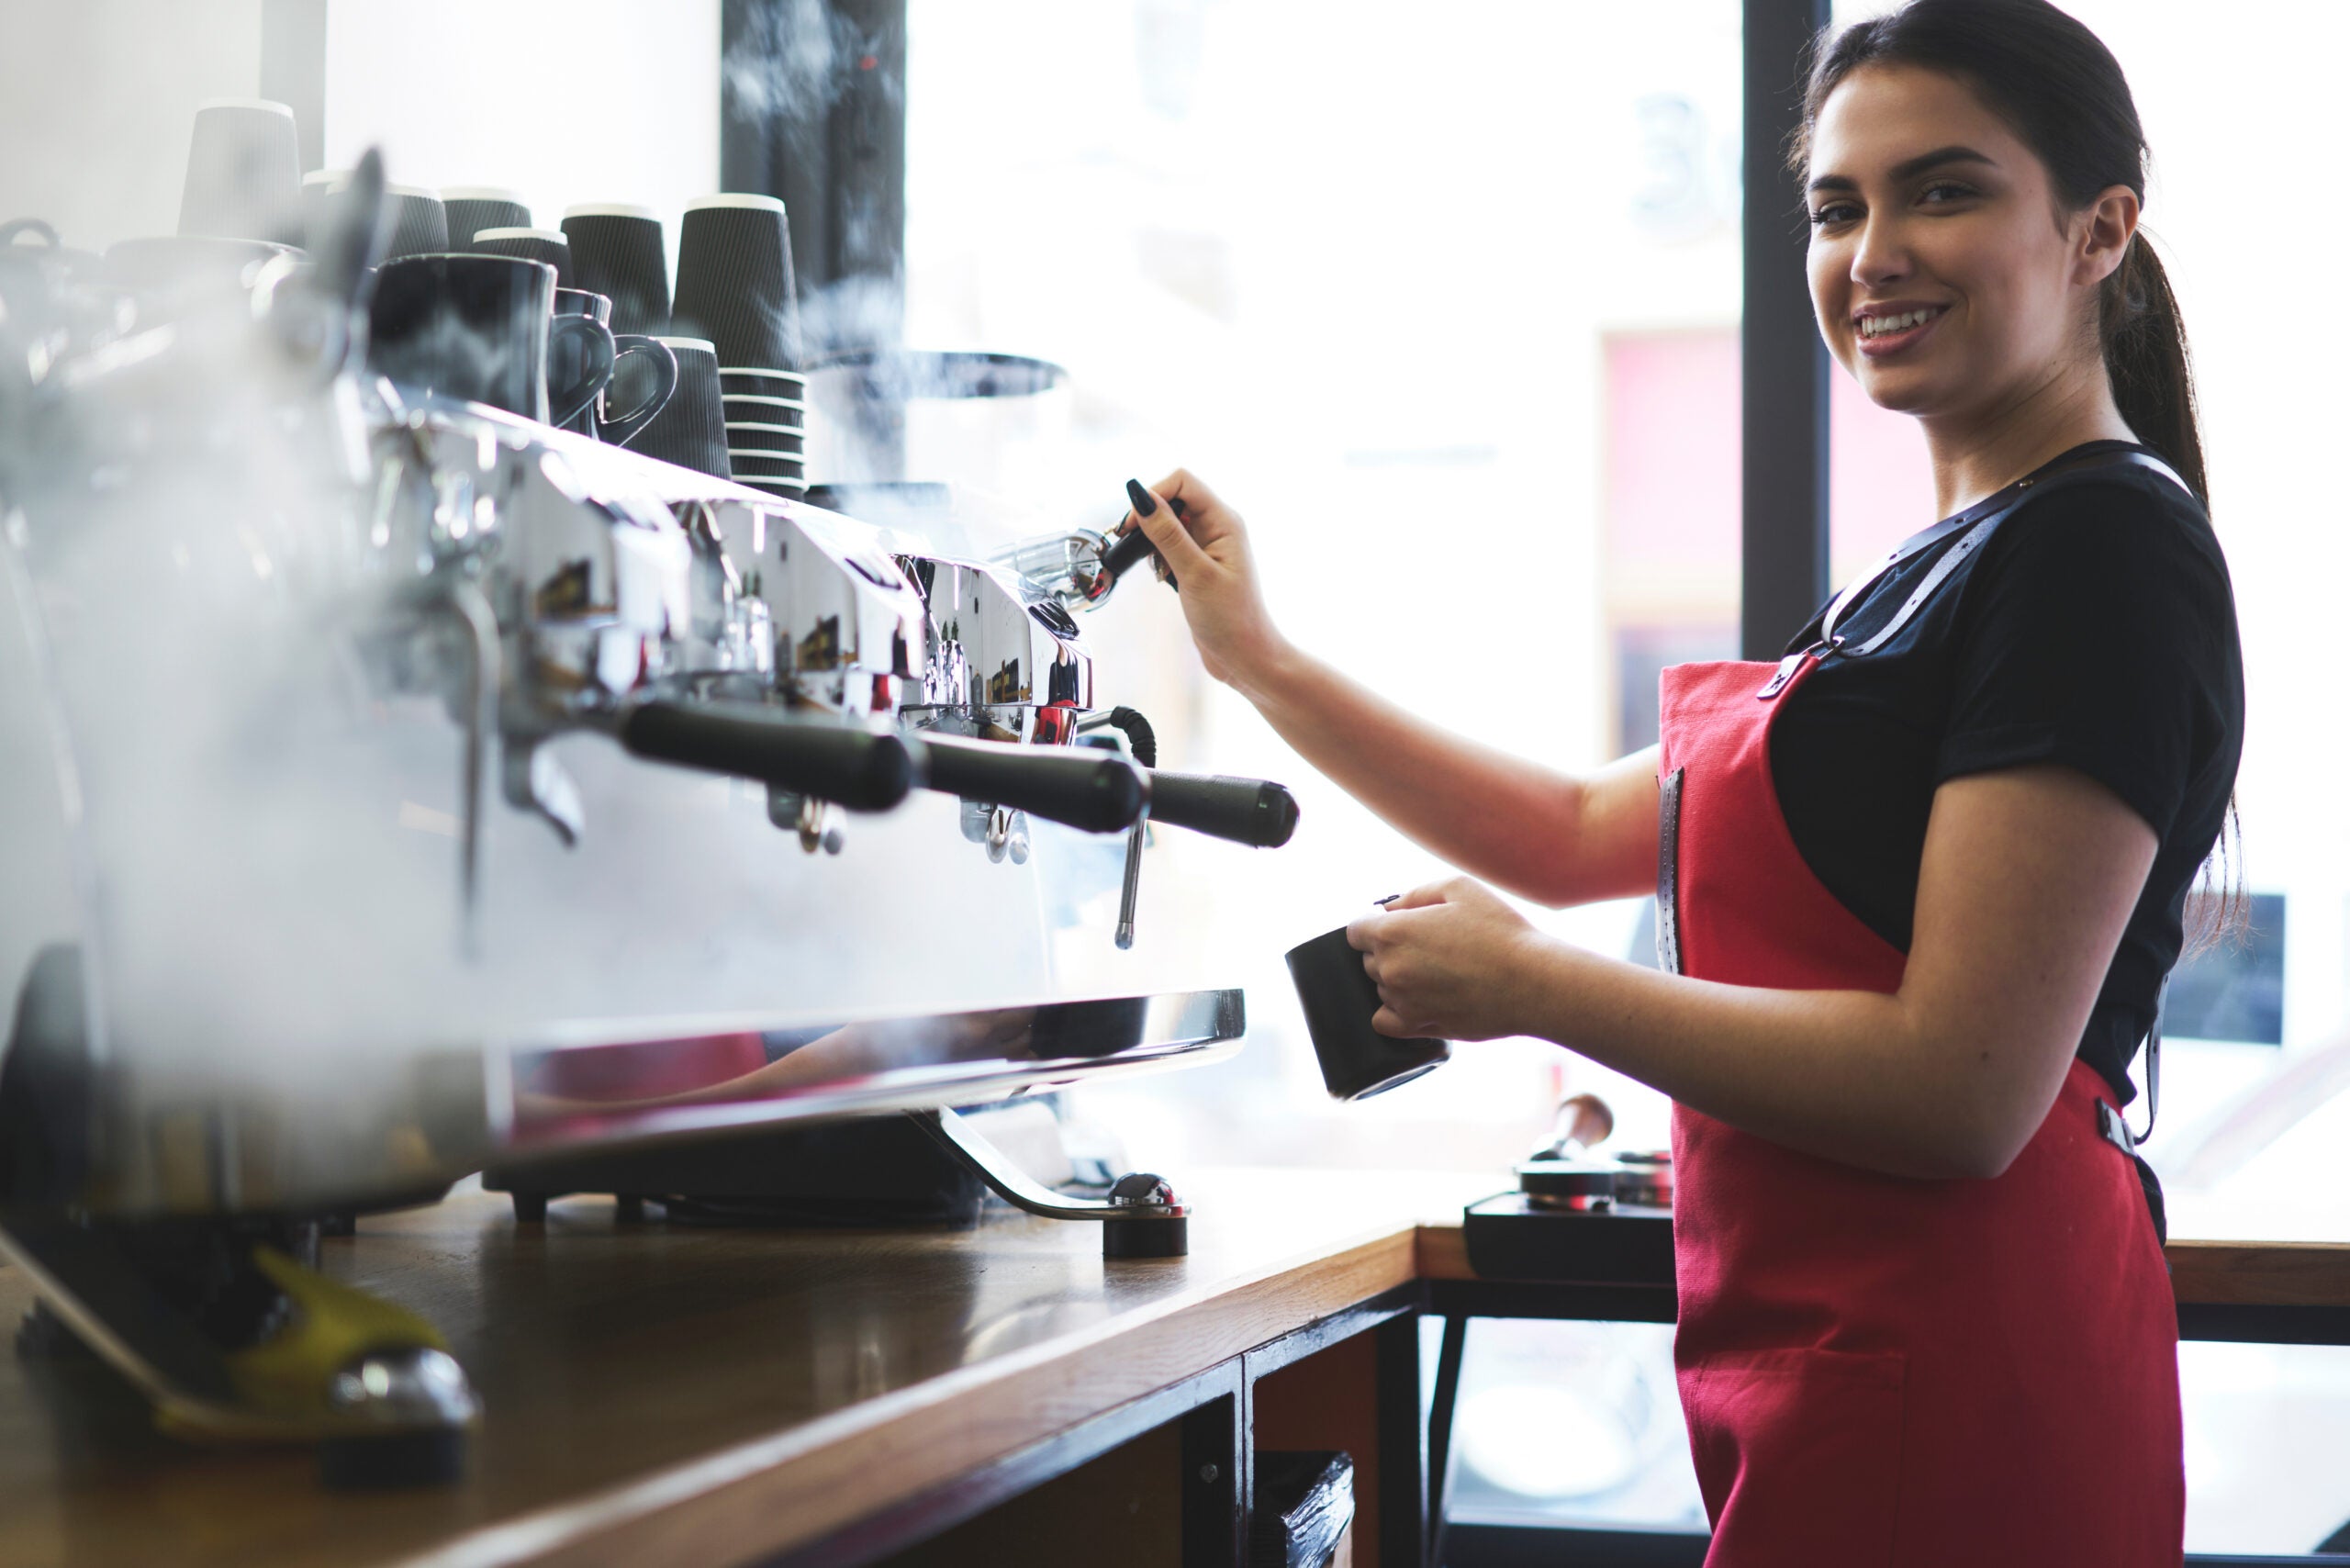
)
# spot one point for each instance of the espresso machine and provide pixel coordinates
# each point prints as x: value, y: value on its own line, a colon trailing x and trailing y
x: 397, y: 790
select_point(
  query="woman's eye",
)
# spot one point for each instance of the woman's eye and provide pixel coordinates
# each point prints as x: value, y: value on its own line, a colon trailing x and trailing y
x: 1834, y: 212
x: 1943, y: 193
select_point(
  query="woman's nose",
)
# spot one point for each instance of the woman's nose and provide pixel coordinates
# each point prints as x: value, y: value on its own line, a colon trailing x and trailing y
x: 1883, y: 254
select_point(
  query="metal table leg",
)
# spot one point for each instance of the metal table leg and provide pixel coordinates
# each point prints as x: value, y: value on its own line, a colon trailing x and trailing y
x: 1440, y: 1413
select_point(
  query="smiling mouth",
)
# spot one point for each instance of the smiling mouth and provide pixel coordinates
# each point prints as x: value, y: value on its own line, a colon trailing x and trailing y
x: 1874, y: 328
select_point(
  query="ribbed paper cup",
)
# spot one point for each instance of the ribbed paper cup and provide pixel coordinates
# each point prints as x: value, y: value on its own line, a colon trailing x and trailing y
x: 245, y: 172
x: 750, y: 381
x: 617, y: 250
x: 766, y: 411
x: 734, y: 280
x: 547, y: 245
x: 420, y: 224
x: 473, y: 208
x: 764, y: 438
x: 772, y: 467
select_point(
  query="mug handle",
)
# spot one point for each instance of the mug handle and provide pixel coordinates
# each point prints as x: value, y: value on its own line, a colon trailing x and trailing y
x: 33, y: 225
x: 564, y: 403
x: 621, y: 429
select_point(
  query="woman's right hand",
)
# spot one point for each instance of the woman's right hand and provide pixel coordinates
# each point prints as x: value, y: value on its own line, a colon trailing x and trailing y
x: 1204, y: 543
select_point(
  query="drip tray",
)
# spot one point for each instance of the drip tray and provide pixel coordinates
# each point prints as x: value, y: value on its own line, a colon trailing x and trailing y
x: 876, y: 1171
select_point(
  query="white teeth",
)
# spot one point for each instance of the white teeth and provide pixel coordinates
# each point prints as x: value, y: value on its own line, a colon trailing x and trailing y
x: 1877, y: 326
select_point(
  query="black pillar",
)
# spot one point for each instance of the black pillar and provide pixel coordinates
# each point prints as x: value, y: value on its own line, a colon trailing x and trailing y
x: 1784, y: 367
x: 814, y: 111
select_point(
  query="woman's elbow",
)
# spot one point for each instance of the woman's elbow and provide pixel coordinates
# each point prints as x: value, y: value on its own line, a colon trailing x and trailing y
x: 1982, y: 1147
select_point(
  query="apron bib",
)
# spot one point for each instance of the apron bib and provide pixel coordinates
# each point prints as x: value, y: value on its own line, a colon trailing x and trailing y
x: 1877, y: 1370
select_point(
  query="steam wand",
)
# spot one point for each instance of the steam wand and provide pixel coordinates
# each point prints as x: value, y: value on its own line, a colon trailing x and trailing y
x: 1143, y: 743
x: 1245, y: 810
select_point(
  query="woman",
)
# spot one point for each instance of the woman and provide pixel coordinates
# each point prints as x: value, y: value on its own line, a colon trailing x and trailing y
x: 1920, y: 884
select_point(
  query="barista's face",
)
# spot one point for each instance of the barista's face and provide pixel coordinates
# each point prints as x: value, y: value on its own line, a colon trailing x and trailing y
x: 1943, y: 275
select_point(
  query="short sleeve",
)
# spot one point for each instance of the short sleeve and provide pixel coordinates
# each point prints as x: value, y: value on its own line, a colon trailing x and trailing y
x: 2097, y: 632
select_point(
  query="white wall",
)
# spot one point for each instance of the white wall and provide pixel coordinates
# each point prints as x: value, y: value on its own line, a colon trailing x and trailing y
x: 565, y: 101
x: 97, y: 99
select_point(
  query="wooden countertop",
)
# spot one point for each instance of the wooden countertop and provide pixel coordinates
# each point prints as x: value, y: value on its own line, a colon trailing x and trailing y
x: 656, y: 1393
x: 2203, y: 1273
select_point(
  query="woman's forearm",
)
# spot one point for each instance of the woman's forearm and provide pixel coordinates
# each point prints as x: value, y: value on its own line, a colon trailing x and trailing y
x: 1542, y: 835
x: 1849, y: 1076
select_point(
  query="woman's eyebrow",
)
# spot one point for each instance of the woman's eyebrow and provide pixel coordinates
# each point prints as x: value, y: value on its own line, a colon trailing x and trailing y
x: 1909, y: 169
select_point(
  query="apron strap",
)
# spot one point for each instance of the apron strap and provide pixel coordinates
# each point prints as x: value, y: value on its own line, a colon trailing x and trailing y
x: 1974, y: 526
x: 2155, y: 1061
x: 2115, y: 1131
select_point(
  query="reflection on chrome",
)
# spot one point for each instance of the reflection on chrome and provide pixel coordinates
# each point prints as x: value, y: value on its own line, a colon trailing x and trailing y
x: 566, y: 1094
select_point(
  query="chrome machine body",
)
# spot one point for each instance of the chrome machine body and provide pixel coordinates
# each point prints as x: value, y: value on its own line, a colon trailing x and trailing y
x: 360, y: 758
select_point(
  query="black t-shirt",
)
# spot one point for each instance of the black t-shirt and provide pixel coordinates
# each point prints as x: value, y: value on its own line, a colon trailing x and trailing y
x: 2096, y: 629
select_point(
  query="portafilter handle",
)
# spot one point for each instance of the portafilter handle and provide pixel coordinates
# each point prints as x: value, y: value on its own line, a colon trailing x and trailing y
x: 860, y: 769
x: 1245, y: 810
x: 1125, y: 552
x: 1099, y: 791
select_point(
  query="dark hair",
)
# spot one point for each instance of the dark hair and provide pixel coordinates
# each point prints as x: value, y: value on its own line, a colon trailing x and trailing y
x: 2063, y: 93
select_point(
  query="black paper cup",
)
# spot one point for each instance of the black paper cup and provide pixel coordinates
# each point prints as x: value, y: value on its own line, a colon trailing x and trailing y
x: 618, y: 251
x: 690, y: 429
x: 420, y: 224
x: 245, y: 172
x: 547, y: 245
x: 771, y: 467
x: 765, y: 438
x: 760, y: 409
x: 734, y: 284
x: 1340, y: 998
x: 748, y: 381
x: 473, y: 208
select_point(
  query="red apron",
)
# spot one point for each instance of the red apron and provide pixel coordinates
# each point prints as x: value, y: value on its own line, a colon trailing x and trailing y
x: 1877, y: 1370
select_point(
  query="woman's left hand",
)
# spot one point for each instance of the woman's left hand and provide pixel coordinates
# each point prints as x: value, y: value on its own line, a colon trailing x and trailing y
x: 1452, y: 961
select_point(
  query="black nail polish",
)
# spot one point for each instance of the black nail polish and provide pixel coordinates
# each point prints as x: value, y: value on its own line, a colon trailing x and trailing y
x: 1145, y: 502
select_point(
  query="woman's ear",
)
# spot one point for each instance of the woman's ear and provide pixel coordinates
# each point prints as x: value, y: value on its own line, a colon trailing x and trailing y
x: 2103, y: 238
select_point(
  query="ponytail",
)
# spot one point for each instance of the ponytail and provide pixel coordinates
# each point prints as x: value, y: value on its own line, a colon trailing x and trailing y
x: 2146, y: 357
x: 2154, y: 384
